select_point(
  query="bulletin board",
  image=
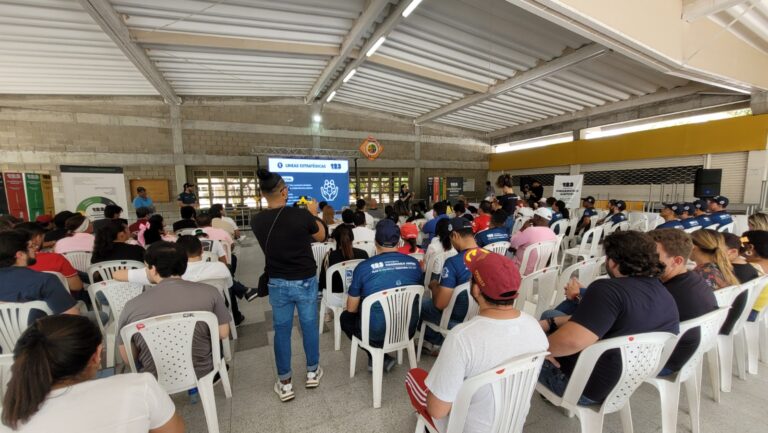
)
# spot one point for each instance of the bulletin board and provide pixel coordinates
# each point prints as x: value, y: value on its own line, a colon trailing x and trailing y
x: 157, y: 189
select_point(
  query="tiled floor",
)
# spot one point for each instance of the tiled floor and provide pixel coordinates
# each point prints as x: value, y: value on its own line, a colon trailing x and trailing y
x: 342, y: 404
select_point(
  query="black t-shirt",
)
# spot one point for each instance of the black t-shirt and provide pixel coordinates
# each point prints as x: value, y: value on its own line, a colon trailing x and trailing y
x: 336, y: 257
x: 744, y: 272
x: 121, y: 251
x: 184, y: 224
x: 508, y: 202
x: 694, y: 298
x: 616, y: 307
x: 55, y: 235
x: 289, y: 254
x: 538, y: 191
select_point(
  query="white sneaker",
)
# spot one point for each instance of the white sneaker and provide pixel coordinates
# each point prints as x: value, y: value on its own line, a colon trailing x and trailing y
x: 284, y: 391
x: 313, y: 378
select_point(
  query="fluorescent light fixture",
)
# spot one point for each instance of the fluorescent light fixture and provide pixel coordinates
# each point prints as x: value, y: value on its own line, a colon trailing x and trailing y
x: 414, y: 4
x: 613, y: 130
x: 331, y: 96
x: 317, y: 118
x: 534, y: 142
x: 375, y: 46
x: 349, y: 75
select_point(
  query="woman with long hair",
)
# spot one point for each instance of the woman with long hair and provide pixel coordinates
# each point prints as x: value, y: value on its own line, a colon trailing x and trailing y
x: 52, y: 387
x: 390, y: 213
x: 344, y: 236
x: 441, y: 242
x: 154, y: 232
x: 756, y: 251
x: 110, y: 243
x: 508, y: 199
x: 758, y: 221
x: 735, y: 251
x: 709, y: 253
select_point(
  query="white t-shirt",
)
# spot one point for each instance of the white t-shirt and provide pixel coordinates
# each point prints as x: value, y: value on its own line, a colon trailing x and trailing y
x: 196, y: 272
x: 364, y: 234
x: 126, y: 403
x: 475, y: 347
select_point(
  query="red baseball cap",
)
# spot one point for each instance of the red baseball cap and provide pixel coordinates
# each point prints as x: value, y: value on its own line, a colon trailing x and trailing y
x: 496, y: 275
x: 409, y: 231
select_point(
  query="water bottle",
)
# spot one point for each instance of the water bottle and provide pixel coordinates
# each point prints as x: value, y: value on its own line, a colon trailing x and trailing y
x: 194, y: 397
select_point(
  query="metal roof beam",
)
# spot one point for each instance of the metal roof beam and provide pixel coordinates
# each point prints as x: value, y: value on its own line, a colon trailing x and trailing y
x: 112, y: 24
x: 357, y: 31
x: 544, y: 70
x: 695, y: 9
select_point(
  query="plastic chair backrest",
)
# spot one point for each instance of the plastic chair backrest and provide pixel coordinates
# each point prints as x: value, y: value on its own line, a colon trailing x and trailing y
x: 544, y: 250
x: 61, y: 277
x: 512, y: 384
x: 14, y: 320
x: 519, y: 221
x: 106, y: 269
x: 398, y: 305
x: 169, y: 341
x: 499, y: 247
x: 657, y: 221
x: 755, y: 287
x: 620, y: 226
x: 209, y: 257
x: 6, y: 361
x: 319, y: 250
x: 219, y: 283
x: 435, y: 265
x: 187, y: 232
x: 542, y: 283
x: 589, y: 242
x: 640, y: 225
x: 561, y: 226
x: 640, y: 356
x: 728, y: 228
x: 692, y: 229
x: 726, y: 295
x: 79, y: 260
x: 367, y: 246
x: 117, y: 293
x: 345, y: 270
x: 417, y: 256
x: 710, y: 325
x: 472, y: 308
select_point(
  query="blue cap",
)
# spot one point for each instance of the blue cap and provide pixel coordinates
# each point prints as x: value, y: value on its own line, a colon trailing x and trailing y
x: 673, y: 206
x: 721, y: 200
x: 387, y: 233
x: 621, y: 205
x: 684, y: 207
x: 458, y: 223
x: 700, y: 204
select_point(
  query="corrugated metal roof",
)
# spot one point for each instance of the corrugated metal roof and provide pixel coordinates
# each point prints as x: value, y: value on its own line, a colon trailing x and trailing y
x: 53, y: 46
x: 751, y: 22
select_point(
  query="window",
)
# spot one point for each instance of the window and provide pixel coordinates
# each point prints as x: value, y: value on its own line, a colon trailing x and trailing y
x: 227, y: 187
x: 382, y: 186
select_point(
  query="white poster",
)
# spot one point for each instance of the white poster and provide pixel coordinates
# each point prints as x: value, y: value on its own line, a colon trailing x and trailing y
x: 88, y: 189
x: 568, y: 189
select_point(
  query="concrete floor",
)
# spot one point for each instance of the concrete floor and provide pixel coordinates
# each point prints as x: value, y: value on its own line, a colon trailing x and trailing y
x: 342, y: 404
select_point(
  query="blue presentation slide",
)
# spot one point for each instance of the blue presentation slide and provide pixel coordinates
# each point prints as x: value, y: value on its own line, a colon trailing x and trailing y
x: 321, y: 179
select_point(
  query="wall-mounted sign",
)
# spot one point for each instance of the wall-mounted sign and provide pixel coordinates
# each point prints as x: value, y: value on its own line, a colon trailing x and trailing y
x: 371, y: 148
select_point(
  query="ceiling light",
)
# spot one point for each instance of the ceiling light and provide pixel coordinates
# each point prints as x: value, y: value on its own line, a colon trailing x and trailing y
x: 349, y: 75
x: 317, y: 118
x: 331, y: 96
x: 414, y: 4
x: 375, y: 46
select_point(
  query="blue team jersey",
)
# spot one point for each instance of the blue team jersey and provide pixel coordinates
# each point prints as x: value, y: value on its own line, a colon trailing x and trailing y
x: 690, y: 222
x: 454, y: 274
x: 721, y: 218
x: 589, y: 212
x: 430, y: 227
x: 617, y: 218
x: 674, y: 224
x: 555, y: 217
x: 382, y: 272
x: 490, y: 236
x: 705, y: 221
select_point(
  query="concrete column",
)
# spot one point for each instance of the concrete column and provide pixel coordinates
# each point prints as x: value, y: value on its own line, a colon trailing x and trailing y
x: 416, y: 185
x: 759, y: 103
x: 757, y: 169
x: 178, y: 147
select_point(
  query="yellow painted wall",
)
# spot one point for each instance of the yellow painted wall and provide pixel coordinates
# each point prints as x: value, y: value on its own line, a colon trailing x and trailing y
x: 738, y: 134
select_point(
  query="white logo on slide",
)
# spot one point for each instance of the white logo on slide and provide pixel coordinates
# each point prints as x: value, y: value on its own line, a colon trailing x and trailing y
x: 329, y: 190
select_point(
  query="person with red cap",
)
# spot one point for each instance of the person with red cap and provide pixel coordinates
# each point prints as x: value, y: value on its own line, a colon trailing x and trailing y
x: 409, y: 233
x: 498, y: 333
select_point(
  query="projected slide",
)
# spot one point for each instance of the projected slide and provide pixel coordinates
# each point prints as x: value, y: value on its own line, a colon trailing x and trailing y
x: 321, y: 179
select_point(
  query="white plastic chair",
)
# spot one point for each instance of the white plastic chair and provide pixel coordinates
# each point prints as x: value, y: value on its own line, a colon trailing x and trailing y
x: 336, y: 302
x: 657, y: 221
x: 692, y: 229
x: 640, y: 354
x: 62, y: 279
x: 221, y: 285
x: 209, y: 257
x: 499, y: 247
x: 169, y: 341
x: 512, y: 384
x: 445, y: 319
x: 588, y: 247
x: 762, y: 321
x: 669, y: 386
x: 79, y: 260
x: 435, y: 265
x: 610, y: 228
x: 398, y: 306
x: 106, y: 269
x: 417, y: 256
x: 187, y: 232
x: 117, y: 293
x: 560, y: 226
x: 585, y: 271
x: 6, y: 361
x: 751, y: 335
x: 538, y: 291
x: 545, y: 251
x: 14, y: 320
x: 367, y: 246
x: 319, y: 251
x: 728, y: 228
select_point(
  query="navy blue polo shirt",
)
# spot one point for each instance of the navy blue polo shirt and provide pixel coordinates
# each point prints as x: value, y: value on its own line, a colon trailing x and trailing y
x: 721, y: 218
x: 454, y: 274
x: 705, y: 221
x: 690, y: 222
x: 18, y: 284
x: 187, y: 197
x: 490, y: 236
x: 617, y: 218
x: 674, y: 224
x: 589, y: 212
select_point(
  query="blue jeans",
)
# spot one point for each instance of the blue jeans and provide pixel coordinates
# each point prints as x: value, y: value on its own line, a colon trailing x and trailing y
x: 429, y: 313
x: 284, y: 296
x: 557, y: 381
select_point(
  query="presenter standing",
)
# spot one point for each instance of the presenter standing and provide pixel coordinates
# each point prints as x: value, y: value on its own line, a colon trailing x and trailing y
x: 188, y: 196
x: 143, y: 200
x: 406, y: 195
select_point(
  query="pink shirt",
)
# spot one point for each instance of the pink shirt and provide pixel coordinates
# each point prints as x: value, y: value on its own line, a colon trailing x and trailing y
x: 218, y: 235
x: 521, y: 240
x: 76, y: 242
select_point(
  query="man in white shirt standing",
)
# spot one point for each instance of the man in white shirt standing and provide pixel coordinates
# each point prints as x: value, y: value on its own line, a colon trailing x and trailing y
x: 361, y: 231
x: 498, y: 333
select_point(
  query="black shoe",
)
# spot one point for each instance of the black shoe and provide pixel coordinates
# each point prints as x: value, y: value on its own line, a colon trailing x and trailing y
x: 239, y: 319
x: 251, y: 294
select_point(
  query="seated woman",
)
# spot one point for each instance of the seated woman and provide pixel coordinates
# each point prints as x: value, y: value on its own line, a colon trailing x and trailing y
x: 79, y: 235
x: 329, y: 217
x: 55, y: 364
x: 440, y: 243
x: 709, y: 253
x: 155, y: 232
x: 344, y: 237
x: 756, y: 246
x: 111, y: 244
x: 409, y: 232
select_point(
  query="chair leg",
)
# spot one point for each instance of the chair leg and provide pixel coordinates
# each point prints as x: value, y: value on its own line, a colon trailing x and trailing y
x: 225, y: 384
x: 205, y: 390
x: 714, y: 372
x: 353, y: 357
x: 764, y: 340
x: 400, y: 357
x: 669, y: 392
x: 411, y: 354
x: 752, y: 337
x: 591, y: 422
x: 740, y: 352
x: 626, y: 418
x: 693, y: 392
x: 336, y: 329
x: 378, y: 373
x: 322, y: 315
x: 725, y: 357
x: 110, y: 361
x: 421, y: 340
x: 419, y: 424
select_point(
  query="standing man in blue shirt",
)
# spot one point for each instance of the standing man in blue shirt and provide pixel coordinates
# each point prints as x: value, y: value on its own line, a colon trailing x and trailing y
x: 717, y: 213
x: 454, y: 274
x: 429, y: 227
x: 669, y: 213
x: 497, y: 231
x: 386, y: 270
x: 142, y: 200
x: 188, y: 196
x: 700, y: 212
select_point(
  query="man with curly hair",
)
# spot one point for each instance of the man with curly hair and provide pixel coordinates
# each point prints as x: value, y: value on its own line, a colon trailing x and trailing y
x: 632, y: 301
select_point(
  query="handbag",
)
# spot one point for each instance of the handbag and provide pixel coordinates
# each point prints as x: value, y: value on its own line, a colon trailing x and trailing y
x: 263, y: 286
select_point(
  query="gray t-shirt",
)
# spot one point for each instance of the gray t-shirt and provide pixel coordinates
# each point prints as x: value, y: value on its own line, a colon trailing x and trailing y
x: 174, y: 295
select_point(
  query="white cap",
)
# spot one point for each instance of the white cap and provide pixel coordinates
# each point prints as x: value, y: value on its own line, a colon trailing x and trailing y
x: 544, y: 213
x: 525, y: 212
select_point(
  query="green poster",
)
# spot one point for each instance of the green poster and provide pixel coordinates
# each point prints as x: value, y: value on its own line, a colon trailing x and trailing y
x: 35, y: 203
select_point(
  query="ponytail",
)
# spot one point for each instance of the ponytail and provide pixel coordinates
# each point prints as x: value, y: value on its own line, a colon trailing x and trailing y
x: 344, y: 236
x: 712, y: 243
x: 412, y: 243
x: 53, y: 349
x: 104, y: 244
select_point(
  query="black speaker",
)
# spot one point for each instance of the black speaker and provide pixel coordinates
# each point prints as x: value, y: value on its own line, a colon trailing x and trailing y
x: 707, y: 182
